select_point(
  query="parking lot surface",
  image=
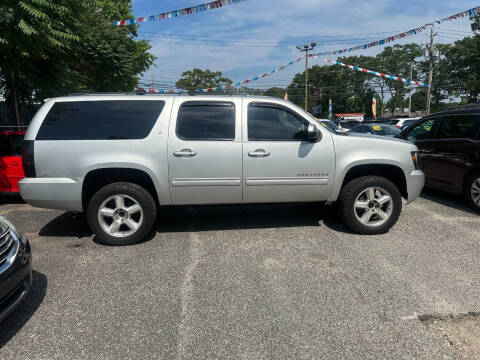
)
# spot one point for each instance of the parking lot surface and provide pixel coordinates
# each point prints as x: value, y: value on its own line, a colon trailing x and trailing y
x: 250, y: 282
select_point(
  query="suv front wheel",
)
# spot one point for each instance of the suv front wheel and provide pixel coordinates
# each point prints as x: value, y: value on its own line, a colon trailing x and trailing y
x: 121, y: 213
x: 370, y: 205
x: 472, y: 191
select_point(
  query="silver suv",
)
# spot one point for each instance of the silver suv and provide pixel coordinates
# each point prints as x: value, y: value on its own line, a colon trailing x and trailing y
x: 119, y: 157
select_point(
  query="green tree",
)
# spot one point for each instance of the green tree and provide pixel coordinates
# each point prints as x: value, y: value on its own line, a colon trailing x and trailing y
x: 324, y: 83
x: 462, y: 69
x: 360, y: 84
x: 53, y: 47
x: 275, y: 92
x: 397, y: 61
x: 201, y: 79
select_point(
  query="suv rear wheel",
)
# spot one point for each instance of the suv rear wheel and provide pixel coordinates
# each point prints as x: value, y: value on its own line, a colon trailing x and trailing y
x: 121, y: 213
x: 370, y: 205
x: 472, y: 191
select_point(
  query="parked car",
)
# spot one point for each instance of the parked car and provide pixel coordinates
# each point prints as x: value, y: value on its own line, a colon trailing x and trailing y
x: 15, y: 268
x: 386, y: 121
x: 449, y: 144
x: 403, y: 123
x: 350, y: 124
x: 11, y: 170
x: 377, y: 129
x: 118, y: 158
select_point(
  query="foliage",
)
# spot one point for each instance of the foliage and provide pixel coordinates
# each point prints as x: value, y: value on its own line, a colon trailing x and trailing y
x: 324, y: 83
x: 201, y: 79
x: 54, y: 47
x: 275, y: 92
x: 463, y: 69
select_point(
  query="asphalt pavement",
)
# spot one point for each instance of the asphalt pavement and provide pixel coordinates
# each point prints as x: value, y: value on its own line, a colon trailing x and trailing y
x: 246, y: 282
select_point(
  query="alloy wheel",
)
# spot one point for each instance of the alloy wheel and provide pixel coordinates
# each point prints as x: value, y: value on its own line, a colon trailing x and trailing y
x: 120, y: 215
x: 373, y: 207
x: 475, y: 191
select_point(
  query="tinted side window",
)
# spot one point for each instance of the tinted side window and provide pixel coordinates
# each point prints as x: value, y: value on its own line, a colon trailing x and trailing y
x: 458, y: 126
x: 267, y: 122
x: 422, y: 131
x: 203, y: 120
x: 100, y: 120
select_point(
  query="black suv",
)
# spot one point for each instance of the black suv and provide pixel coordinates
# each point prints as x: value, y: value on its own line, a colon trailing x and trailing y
x: 449, y: 144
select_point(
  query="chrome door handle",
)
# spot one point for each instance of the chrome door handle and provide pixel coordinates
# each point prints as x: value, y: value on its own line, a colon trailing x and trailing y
x: 259, y: 153
x: 184, y: 153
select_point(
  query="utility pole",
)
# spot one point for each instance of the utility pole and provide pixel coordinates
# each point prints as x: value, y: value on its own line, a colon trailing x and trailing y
x: 410, y: 96
x: 430, y: 72
x: 306, y: 48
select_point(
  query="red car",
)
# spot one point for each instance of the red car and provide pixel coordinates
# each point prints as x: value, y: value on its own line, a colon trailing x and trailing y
x: 11, y: 169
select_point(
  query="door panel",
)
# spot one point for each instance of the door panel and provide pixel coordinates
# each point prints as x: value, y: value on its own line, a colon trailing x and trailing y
x: 205, y: 152
x: 284, y: 170
x: 423, y: 135
x: 455, y: 141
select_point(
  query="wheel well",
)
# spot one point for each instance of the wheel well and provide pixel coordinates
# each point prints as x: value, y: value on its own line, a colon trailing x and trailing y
x: 467, y: 176
x: 390, y: 172
x: 96, y: 179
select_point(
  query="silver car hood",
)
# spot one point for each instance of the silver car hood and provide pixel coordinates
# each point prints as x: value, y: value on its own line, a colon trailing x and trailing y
x: 369, y: 136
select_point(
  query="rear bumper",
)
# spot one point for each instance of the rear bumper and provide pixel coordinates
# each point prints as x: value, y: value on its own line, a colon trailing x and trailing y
x: 16, y: 281
x: 52, y: 193
x: 415, y: 184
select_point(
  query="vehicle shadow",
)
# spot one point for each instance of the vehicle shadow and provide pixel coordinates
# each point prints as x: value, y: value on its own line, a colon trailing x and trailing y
x: 11, y: 199
x: 241, y: 217
x: 447, y: 199
x: 213, y: 218
x: 22, y: 314
x: 67, y: 225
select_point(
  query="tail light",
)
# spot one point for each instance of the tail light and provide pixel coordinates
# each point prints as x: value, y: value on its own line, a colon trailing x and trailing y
x: 28, y: 159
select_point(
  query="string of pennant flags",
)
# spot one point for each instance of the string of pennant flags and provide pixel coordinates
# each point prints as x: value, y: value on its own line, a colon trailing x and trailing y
x: 228, y: 86
x: 376, y: 73
x: 466, y: 13
x: 176, y: 13
x: 283, y: 67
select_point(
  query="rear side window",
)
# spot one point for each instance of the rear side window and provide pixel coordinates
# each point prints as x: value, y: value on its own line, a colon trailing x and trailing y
x: 459, y: 127
x: 100, y: 120
x: 206, y: 120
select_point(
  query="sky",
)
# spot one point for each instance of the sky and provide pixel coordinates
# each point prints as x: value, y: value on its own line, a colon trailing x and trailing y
x: 256, y: 36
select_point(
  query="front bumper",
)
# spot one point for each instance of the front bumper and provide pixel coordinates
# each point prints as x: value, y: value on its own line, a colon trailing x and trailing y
x: 16, y: 281
x: 415, y: 183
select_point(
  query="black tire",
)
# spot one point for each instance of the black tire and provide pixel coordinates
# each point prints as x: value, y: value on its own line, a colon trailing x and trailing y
x: 136, y: 192
x: 468, y: 191
x: 352, y: 190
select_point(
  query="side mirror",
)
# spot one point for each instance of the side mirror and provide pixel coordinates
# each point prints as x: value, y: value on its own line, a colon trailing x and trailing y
x: 313, y: 134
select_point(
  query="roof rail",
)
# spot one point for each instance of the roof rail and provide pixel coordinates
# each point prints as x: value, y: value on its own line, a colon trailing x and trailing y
x: 467, y: 106
x: 101, y: 93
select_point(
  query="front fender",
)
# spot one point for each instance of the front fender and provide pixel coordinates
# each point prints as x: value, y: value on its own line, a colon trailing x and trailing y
x: 344, y: 167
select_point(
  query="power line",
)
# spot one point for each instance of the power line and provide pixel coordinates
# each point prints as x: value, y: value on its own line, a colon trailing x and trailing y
x: 348, y: 43
x: 226, y: 36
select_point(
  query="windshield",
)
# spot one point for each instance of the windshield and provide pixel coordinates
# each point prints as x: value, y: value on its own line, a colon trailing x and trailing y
x: 388, y: 130
x: 330, y: 125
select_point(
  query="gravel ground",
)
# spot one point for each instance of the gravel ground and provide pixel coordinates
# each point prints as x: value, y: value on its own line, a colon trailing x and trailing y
x: 250, y: 282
